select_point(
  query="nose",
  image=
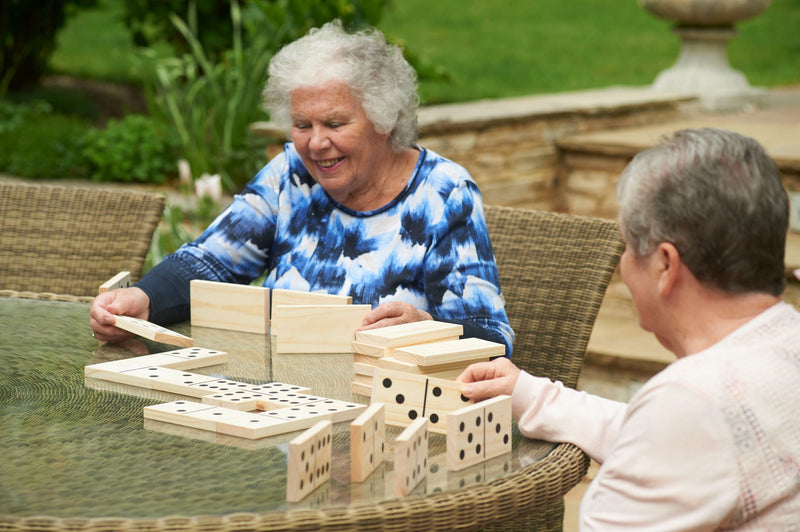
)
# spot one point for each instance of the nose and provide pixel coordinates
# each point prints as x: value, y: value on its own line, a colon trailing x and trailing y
x: 319, y: 140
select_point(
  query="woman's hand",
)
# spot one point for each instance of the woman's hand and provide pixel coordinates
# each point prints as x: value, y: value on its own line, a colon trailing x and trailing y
x: 121, y: 302
x: 489, y: 379
x: 393, y: 313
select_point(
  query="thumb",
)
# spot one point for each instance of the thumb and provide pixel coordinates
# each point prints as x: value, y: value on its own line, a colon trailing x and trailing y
x: 481, y: 390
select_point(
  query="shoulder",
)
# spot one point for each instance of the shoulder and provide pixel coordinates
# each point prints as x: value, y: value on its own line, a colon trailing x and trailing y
x: 446, y: 187
x: 440, y: 169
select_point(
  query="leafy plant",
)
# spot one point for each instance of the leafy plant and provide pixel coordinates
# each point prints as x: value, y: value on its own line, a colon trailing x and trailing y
x: 36, y: 143
x: 136, y: 148
x: 212, y: 103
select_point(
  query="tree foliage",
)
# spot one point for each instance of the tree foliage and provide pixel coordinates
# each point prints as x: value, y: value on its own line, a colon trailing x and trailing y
x: 28, y: 37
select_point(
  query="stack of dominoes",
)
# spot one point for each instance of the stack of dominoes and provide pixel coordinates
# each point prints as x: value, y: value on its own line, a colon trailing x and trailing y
x: 430, y: 348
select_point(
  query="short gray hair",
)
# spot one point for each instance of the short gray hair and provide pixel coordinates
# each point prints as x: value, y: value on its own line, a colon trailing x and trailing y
x: 375, y: 71
x: 718, y: 198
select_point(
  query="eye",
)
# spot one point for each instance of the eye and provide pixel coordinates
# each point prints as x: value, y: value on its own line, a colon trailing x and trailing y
x: 300, y: 125
x: 334, y: 125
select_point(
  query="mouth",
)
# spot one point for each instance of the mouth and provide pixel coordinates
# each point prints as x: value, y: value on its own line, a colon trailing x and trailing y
x: 329, y: 163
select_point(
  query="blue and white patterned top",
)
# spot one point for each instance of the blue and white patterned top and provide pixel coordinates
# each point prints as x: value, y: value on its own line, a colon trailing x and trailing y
x: 428, y: 247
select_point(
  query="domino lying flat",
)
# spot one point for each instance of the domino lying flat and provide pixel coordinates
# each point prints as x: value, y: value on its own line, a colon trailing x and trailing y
x: 180, y: 359
x: 408, y: 396
x: 410, y: 333
x: 448, y: 352
x: 288, y: 407
x: 478, y: 432
x: 152, y: 331
x: 250, y: 425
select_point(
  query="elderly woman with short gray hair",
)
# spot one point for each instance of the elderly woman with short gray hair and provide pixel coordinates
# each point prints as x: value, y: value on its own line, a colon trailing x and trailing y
x: 713, y: 441
x: 352, y: 206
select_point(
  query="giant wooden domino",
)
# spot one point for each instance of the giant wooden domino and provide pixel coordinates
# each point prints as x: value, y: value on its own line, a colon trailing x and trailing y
x: 448, y: 352
x: 225, y: 404
x: 121, y: 280
x: 152, y: 331
x: 284, y: 297
x: 478, y: 432
x: 408, y: 397
x: 410, y: 457
x: 230, y: 306
x: 316, y: 328
x: 409, y: 333
x: 309, y: 461
x: 367, y: 440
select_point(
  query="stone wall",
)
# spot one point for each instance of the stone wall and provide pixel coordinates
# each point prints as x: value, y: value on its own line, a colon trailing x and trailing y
x: 563, y: 152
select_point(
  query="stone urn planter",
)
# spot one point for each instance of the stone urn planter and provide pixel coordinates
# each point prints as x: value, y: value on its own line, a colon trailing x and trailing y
x: 705, y: 27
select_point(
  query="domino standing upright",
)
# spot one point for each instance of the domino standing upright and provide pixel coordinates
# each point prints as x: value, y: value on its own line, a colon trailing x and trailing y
x: 121, y: 280
x: 410, y: 457
x: 309, y: 461
x: 367, y: 442
x: 408, y: 396
x: 478, y: 432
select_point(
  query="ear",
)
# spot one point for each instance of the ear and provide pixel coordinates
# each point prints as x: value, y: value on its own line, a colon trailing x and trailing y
x: 668, y: 264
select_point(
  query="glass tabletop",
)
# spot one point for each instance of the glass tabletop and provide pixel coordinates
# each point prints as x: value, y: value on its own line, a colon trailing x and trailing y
x: 79, y: 447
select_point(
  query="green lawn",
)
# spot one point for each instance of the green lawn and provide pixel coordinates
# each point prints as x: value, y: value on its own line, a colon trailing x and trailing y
x: 508, y: 48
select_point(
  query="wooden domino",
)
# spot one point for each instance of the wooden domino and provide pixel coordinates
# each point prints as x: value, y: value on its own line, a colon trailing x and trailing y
x: 230, y: 306
x: 181, y: 359
x: 309, y: 461
x: 410, y: 457
x: 369, y: 350
x: 408, y: 367
x: 282, y: 296
x: 262, y: 397
x: 408, y: 396
x: 332, y: 330
x: 121, y: 280
x: 478, y: 432
x: 361, y: 389
x: 367, y: 442
x: 448, y: 352
x: 410, y: 333
x: 331, y: 409
x: 152, y: 331
x: 223, y: 420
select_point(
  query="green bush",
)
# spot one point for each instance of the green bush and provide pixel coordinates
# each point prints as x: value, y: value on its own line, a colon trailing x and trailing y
x: 35, y: 143
x: 136, y: 148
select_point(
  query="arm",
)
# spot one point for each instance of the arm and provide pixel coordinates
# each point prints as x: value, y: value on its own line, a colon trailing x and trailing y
x: 672, y: 468
x: 547, y: 410
x: 550, y: 411
x: 461, y: 277
x: 233, y: 249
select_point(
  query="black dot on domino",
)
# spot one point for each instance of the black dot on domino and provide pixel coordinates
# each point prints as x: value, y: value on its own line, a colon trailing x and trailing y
x: 434, y: 418
x: 400, y: 398
x: 387, y: 382
x: 412, y: 414
x: 437, y: 391
x: 464, y: 399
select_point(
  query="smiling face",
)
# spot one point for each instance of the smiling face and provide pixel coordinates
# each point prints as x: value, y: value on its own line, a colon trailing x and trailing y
x: 338, y: 144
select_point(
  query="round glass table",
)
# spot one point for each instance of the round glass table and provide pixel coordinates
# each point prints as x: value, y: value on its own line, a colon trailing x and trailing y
x: 77, y: 451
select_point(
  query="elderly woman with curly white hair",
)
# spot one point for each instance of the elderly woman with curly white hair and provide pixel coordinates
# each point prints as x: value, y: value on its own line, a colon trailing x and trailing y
x: 352, y: 206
